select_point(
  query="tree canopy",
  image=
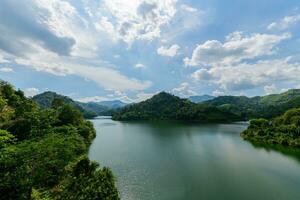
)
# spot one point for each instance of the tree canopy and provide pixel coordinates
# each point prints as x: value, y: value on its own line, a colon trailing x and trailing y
x: 43, y: 152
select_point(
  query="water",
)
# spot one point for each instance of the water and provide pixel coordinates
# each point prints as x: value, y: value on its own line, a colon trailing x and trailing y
x: 170, y: 161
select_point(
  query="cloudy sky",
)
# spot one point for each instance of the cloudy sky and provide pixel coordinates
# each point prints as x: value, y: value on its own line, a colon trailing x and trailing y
x: 94, y: 50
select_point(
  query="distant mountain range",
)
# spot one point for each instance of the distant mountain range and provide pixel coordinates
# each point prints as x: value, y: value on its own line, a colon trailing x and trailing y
x: 199, y: 99
x: 114, y: 104
x: 89, y: 110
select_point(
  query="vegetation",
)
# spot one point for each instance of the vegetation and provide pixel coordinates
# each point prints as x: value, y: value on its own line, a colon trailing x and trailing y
x: 284, y: 130
x: 268, y: 106
x: 89, y: 110
x: 164, y: 106
x: 47, y: 99
x: 43, y: 152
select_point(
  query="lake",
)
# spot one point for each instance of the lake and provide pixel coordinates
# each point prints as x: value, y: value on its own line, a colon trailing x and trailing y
x: 171, y: 160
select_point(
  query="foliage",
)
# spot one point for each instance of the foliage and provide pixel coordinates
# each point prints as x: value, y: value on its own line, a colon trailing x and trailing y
x: 53, y: 100
x: 164, y: 106
x: 37, y: 146
x: 268, y: 106
x: 284, y: 129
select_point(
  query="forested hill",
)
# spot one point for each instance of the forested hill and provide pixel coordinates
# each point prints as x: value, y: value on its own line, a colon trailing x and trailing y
x: 43, y: 152
x: 266, y: 106
x: 164, y: 106
x: 89, y: 110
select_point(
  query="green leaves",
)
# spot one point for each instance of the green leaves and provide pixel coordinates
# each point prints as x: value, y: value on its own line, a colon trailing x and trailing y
x: 284, y: 129
x: 37, y: 146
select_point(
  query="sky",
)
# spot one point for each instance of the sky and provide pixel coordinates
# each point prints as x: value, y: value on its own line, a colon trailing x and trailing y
x: 94, y: 50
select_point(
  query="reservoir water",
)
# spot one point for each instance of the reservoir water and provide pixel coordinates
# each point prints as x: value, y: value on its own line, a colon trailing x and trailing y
x: 171, y: 160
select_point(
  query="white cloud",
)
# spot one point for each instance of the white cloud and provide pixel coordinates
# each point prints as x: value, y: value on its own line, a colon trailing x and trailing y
x: 43, y: 60
x: 218, y: 93
x: 63, y: 19
x: 93, y: 99
x: 245, y: 76
x: 143, y: 96
x: 6, y: 69
x: 284, y: 23
x: 270, y: 89
x: 30, y: 92
x: 188, y: 8
x: 140, y: 66
x: 236, y: 48
x: 171, y: 51
x: 2, y: 58
x: 136, y: 19
x: 184, y: 90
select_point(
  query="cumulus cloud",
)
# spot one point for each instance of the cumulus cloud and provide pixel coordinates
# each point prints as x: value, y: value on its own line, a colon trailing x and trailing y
x: 21, y: 20
x: 284, y: 23
x: 188, y: 8
x: 6, y: 69
x: 140, y: 66
x: 218, y: 93
x: 136, y: 19
x: 248, y: 76
x: 170, y: 52
x: 30, y: 92
x: 270, y: 89
x: 184, y: 90
x: 51, y: 36
x: 236, y: 48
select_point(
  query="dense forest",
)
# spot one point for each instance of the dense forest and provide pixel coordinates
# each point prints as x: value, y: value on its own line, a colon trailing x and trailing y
x: 284, y: 130
x: 89, y: 110
x: 43, y: 152
x: 164, y: 106
x: 269, y: 106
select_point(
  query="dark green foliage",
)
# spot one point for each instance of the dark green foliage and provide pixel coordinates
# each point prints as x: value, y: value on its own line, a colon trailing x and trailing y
x: 164, y: 106
x: 53, y: 100
x: 86, y: 181
x: 283, y: 130
x: 268, y: 106
x: 37, y: 146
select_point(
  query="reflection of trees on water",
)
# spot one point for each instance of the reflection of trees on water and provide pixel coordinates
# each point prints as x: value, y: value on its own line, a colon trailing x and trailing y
x: 285, y: 150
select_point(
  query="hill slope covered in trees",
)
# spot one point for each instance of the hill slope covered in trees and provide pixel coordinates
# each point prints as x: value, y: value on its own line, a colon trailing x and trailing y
x: 43, y: 152
x: 256, y: 107
x: 164, y: 106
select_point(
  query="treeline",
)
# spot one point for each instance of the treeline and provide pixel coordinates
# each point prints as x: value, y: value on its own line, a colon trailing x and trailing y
x: 89, y: 110
x: 284, y: 130
x: 43, y: 152
x: 164, y: 106
x: 268, y: 107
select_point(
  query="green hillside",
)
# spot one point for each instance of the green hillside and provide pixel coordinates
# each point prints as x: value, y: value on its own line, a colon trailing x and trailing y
x: 43, y: 152
x: 164, y: 106
x: 46, y: 99
x: 266, y: 107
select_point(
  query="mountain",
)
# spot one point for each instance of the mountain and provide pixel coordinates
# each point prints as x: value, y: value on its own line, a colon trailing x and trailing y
x: 93, y: 107
x: 266, y: 106
x: 199, y: 99
x: 45, y: 100
x: 164, y: 106
x: 114, y: 104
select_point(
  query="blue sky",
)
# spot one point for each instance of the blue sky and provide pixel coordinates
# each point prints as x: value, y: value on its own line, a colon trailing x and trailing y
x: 93, y: 50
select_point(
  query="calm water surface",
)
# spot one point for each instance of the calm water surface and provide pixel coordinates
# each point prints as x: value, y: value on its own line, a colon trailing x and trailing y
x: 170, y: 161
